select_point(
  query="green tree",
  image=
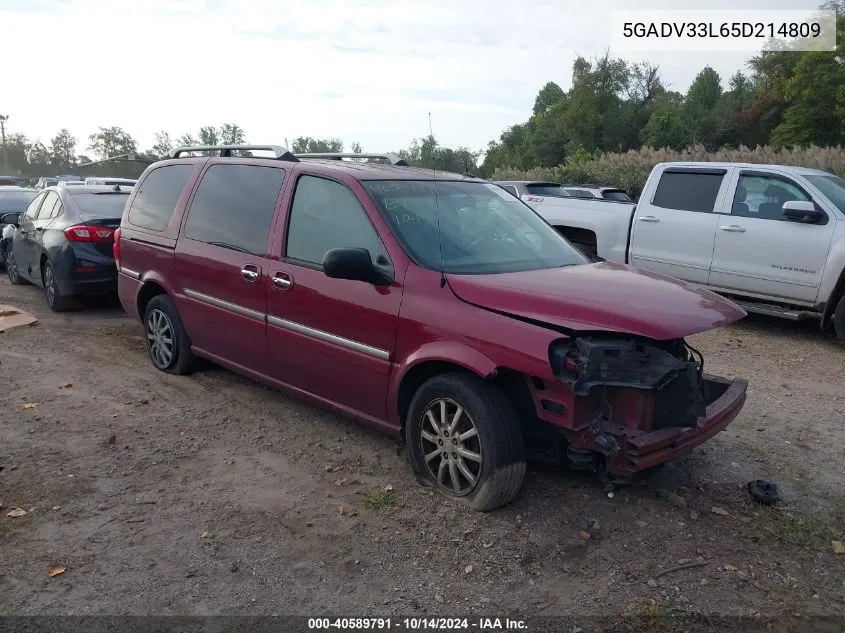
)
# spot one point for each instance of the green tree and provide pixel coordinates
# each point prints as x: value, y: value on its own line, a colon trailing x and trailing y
x: 232, y: 134
x: 17, y: 149
x: 700, y: 104
x: 549, y: 95
x: 162, y: 146
x: 208, y: 135
x: 309, y: 145
x: 63, y: 149
x: 111, y: 141
x: 38, y: 157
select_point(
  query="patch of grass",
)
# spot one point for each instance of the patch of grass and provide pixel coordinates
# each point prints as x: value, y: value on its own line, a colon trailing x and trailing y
x: 785, y: 528
x: 380, y: 499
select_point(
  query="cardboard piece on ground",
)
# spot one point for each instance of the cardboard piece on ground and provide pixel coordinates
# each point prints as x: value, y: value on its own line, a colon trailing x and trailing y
x: 12, y: 317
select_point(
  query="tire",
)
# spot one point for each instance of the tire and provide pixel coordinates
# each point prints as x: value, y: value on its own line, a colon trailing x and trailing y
x: 162, y: 323
x: 498, y: 444
x: 56, y: 301
x: 839, y: 319
x: 12, y: 269
x: 2, y: 255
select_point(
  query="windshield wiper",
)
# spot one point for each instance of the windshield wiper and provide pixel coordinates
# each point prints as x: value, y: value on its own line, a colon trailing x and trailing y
x: 231, y: 247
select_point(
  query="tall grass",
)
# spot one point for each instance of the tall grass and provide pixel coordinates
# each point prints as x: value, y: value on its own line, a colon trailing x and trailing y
x: 629, y: 170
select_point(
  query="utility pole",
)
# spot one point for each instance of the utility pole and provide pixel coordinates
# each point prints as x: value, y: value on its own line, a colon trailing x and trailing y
x: 3, y: 119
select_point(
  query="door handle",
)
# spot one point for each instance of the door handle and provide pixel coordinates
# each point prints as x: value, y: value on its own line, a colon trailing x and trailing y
x: 649, y: 218
x: 733, y: 228
x: 251, y: 273
x: 283, y: 281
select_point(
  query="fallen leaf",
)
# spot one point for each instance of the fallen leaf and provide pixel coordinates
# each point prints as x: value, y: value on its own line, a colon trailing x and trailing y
x: 55, y: 571
x: 340, y: 509
x: 17, y: 512
x: 207, y: 535
x: 388, y: 488
x: 29, y: 405
x: 68, y: 386
x: 730, y: 568
x: 584, y: 534
x: 57, y: 508
x: 838, y: 547
x: 339, y: 482
x: 719, y: 511
x: 524, y: 534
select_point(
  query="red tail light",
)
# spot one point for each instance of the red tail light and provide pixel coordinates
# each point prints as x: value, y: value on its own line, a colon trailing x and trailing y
x: 115, y: 249
x: 84, y: 233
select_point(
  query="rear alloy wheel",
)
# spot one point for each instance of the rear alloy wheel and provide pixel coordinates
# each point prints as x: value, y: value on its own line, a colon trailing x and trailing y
x: 167, y: 341
x: 55, y: 299
x: 12, y: 269
x: 463, y: 438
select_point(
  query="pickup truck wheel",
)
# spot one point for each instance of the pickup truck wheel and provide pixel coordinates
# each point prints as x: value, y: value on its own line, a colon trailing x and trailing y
x: 463, y: 438
x: 167, y: 342
x: 839, y: 319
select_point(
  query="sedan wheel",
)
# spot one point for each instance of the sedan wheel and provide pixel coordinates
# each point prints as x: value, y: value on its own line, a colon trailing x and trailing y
x: 12, y: 269
x: 55, y: 299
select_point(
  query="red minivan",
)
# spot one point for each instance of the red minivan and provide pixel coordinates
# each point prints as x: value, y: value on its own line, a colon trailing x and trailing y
x: 433, y: 306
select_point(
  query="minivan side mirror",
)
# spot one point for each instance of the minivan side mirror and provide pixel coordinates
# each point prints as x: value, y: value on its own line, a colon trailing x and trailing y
x: 354, y: 264
x: 10, y: 218
x: 802, y: 211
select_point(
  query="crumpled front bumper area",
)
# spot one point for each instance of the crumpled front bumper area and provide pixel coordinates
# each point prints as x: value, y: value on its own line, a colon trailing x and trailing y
x: 640, y: 451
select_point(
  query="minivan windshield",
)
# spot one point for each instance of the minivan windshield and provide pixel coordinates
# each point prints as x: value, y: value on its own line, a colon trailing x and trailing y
x: 833, y: 187
x: 483, y: 229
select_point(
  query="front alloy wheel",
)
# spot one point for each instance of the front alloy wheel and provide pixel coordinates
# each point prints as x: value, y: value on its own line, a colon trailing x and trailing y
x: 465, y: 439
x: 451, y: 446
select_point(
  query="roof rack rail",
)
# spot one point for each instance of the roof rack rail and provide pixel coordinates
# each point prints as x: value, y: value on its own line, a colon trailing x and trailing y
x: 279, y: 152
x: 393, y: 159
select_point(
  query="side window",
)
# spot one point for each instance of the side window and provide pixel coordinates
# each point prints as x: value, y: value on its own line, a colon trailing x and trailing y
x: 234, y: 207
x: 32, y: 208
x: 51, y: 202
x: 763, y: 197
x: 510, y: 189
x: 327, y: 215
x: 158, y: 196
x: 688, y: 191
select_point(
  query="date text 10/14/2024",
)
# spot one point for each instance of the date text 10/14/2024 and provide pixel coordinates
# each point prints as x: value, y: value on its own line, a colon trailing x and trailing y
x: 418, y: 624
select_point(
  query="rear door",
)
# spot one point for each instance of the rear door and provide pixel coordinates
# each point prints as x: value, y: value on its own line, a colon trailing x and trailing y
x: 21, y: 242
x: 674, y: 225
x: 35, y: 238
x: 333, y: 338
x: 221, y: 263
x: 758, y: 251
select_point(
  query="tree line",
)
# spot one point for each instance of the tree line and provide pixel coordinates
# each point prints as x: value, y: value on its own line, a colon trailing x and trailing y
x: 788, y: 99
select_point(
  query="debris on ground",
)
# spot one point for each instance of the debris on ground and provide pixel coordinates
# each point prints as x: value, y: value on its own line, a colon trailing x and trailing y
x: 29, y: 405
x: 207, y: 535
x: 55, y: 570
x: 838, y: 547
x: 17, y: 512
x: 764, y: 492
x: 11, y: 317
x: 719, y: 511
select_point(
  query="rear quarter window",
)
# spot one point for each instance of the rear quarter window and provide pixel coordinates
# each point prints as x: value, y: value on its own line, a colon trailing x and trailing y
x: 158, y: 196
x: 688, y: 191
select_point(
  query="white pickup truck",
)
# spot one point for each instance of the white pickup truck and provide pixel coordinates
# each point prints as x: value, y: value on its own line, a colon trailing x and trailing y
x: 770, y: 237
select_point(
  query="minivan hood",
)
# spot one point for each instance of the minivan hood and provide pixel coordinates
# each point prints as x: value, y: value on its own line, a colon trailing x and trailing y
x: 604, y: 297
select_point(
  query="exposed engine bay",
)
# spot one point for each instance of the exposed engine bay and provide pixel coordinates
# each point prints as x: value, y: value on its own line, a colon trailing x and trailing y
x: 672, y: 370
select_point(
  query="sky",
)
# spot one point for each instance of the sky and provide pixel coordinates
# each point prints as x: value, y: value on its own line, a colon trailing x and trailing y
x: 361, y: 70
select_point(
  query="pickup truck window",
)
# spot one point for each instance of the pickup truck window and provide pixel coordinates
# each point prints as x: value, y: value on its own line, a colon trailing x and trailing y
x: 688, y: 190
x: 482, y: 229
x: 543, y: 189
x: 833, y: 187
x: 762, y: 197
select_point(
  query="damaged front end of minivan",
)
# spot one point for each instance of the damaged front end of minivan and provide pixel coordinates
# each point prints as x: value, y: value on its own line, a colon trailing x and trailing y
x: 626, y: 404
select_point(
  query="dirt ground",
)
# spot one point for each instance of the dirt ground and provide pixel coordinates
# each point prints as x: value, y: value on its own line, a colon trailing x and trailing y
x: 210, y: 494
